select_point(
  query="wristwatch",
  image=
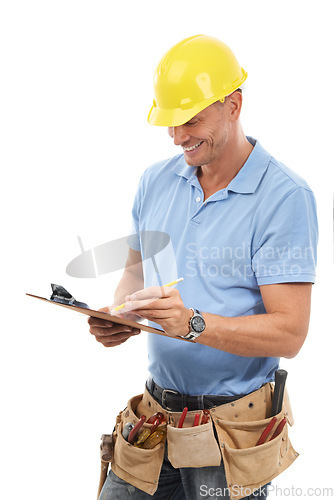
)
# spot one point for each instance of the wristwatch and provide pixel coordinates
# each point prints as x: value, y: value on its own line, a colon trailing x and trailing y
x: 196, y: 325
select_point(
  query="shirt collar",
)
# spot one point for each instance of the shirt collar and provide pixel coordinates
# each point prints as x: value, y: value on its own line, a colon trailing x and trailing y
x: 248, y: 177
x: 183, y: 169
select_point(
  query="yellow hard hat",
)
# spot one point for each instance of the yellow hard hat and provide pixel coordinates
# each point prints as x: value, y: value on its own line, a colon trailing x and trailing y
x: 193, y: 74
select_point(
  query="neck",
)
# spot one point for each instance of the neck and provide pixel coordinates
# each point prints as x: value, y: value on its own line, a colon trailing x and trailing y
x: 218, y: 174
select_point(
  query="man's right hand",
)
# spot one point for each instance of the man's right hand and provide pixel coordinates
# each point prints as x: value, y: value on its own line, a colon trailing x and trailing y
x: 110, y: 334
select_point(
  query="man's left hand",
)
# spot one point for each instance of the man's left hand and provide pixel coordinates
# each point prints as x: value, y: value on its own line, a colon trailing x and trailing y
x: 164, y: 306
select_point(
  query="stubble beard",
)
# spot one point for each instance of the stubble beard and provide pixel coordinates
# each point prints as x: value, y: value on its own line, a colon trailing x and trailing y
x: 209, y: 156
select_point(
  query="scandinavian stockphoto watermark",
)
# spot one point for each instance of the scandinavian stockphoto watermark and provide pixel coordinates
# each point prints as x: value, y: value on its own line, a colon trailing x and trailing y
x: 243, y: 261
x: 156, y: 248
x: 271, y: 489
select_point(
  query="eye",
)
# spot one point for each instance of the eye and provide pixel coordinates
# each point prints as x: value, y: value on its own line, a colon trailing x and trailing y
x: 192, y: 122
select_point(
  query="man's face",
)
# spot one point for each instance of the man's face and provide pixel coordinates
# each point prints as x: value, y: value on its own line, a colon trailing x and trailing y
x: 204, y: 137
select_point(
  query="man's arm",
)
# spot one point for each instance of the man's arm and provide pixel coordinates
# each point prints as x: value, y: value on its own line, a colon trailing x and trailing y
x: 280, y: 332
x: 107, y: 333
x: 132, y: 279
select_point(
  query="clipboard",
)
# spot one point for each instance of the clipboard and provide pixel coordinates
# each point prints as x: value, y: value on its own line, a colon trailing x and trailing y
x: 108, y: 317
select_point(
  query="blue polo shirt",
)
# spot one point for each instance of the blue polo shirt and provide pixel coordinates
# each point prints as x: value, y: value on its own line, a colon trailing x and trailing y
x: 261, y: 229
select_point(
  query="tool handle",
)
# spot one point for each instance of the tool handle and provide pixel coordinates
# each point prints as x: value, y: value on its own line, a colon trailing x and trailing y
x: 135, y: 430
x: 156, y: 415
x: 279, y: 429
x: 155, y: 424
x: 103, y: 477
x: 183, y: 416
x: 266, y: 431
x: 196, y: 420
x: 280, y: 379
x: 127, y: 429
x: 154, y: 439
x: 147, y: 432
x: 206, y: 417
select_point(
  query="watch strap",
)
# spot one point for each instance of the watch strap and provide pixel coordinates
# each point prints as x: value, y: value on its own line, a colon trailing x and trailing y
x: 192, y: 335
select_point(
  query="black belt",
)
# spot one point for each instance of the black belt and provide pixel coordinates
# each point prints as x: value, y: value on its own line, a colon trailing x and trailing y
x: 174, y: 401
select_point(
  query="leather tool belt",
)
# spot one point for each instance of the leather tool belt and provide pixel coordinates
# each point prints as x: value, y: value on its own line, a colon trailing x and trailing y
x: 174, y: 401
x: 238, y: 426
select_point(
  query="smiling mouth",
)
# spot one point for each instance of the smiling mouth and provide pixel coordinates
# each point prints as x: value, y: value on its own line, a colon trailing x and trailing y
x: 191, y: 148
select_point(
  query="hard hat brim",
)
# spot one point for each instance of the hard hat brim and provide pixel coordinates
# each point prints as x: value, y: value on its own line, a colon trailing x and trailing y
x: 178, y: 116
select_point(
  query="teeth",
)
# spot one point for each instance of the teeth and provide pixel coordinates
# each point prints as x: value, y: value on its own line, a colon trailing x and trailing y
x: 193, y: 147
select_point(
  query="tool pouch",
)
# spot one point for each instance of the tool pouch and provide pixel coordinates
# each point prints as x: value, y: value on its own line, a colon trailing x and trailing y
x: 137, y: 466
x: 188, y: 446
x: 191, y: 446
x: 239, y: 425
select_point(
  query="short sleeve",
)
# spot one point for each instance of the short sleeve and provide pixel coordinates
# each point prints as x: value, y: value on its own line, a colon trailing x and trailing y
x: 286, y: 246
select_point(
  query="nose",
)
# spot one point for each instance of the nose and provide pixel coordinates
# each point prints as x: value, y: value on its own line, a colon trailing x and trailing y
x: 179, y: 134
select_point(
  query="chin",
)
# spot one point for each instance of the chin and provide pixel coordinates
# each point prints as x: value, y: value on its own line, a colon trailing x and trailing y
x: 193, y: 162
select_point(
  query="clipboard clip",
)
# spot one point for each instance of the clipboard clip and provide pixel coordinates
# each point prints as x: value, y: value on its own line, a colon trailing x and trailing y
x: 61, y: 295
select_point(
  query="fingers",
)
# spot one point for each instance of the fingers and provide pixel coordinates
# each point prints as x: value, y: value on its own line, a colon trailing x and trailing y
x: 101, y: 323
x: 116, y: 338
x: 104, y: 309
x: 153, y: 303
x: 155, y: 315
x: 107, y: 331
x: 110, y: 334
x: 142, y: 304
x: 153, y: 292
x: 123, y: 314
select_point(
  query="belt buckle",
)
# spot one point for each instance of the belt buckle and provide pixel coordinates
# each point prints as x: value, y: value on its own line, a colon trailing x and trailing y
x: 164, y: 396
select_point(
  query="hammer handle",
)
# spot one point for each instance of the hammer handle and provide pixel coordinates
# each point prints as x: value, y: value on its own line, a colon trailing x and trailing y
x: 280, y: 379
x: 103, y: 477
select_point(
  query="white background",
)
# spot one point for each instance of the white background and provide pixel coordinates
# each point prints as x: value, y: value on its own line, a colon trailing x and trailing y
x: 76, y: 87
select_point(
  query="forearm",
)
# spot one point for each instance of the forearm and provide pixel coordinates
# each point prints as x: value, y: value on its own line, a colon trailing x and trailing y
x: 132, y: 279
x: 278, y: 333
x: 265, y: 335
x: 130, y: 282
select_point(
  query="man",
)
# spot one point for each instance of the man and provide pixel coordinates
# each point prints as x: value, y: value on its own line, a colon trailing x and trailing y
x: 244, y: 232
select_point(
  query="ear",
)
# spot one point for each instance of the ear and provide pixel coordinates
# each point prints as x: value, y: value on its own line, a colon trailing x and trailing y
x: 235, y: 104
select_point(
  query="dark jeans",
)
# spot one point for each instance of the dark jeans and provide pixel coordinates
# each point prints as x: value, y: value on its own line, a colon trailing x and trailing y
x: 178, y: 484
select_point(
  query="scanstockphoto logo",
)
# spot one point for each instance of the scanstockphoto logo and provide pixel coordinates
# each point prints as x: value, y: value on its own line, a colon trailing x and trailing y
x: 270, y: 490
x: 242, y: 262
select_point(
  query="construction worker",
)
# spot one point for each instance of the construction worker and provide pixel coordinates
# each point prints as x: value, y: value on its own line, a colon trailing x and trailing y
x: 243, y: 229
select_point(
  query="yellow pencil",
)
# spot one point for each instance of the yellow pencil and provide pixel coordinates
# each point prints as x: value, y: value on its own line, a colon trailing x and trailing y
x: 168, y: 284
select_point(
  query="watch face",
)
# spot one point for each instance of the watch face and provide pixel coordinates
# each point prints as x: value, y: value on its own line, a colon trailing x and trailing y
x: 198, y: 324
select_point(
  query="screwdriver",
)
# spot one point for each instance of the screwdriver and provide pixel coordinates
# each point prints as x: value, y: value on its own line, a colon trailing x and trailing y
x: 146, y: 432
x: 157, y: 437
